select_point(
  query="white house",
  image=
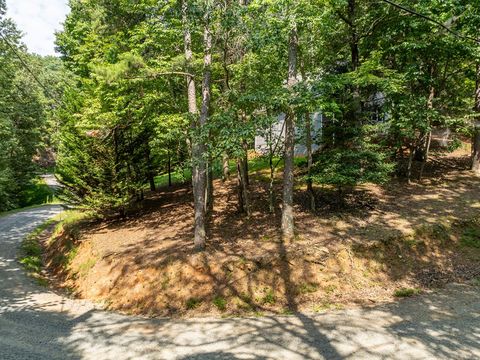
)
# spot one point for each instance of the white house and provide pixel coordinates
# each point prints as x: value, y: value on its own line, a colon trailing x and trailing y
x: 278, y: 129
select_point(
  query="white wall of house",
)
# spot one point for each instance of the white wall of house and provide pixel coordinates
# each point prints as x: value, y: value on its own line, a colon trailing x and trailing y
x: 261, y: 145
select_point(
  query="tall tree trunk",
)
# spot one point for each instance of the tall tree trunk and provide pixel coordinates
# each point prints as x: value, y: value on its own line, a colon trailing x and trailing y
x: 355, y: 58
x: 225, y: 167
x: 288, y: 178
x: 169, y: 169
x: 204, y: 113
x: 354, y: 51
x: 410, y: 162
x: 428, y: 141
x: 243, y: 170
x: 198, y: 149
x: 428, y: 138
x: 209, y: 190
x: 245, y: 157
x: 243, y: 198
x: 151, y: 175
x: 476, y: 131
x: 308, y: 144
x: 271, y: 192
x: 241, y: 207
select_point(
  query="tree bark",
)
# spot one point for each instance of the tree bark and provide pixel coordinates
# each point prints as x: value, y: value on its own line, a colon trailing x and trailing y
x: 426, y: 151
x: 204, y: 113
x: 243, y: 198
x: 151, y: 175
x: 225, y: 167
x: 169, y: 169
x: 476, y: 130
x: 410, y: 162
x: 288, y: 177
x: 355, y: 53
x: 198, y: 148
x: 428, y: 138
x: 209, y: 190
x: 308, y: 144
x: 245, y: 157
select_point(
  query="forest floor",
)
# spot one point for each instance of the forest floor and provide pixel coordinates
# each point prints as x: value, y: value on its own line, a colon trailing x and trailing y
x: 380, y: 244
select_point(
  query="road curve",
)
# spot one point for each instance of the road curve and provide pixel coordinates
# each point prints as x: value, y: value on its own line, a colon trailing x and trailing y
x: 38, y: 324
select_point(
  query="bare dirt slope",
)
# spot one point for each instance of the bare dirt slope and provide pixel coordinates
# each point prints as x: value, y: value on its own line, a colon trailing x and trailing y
x: 398, y: 236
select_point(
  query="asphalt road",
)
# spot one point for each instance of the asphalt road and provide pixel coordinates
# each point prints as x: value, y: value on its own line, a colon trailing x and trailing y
x: 36, y: 323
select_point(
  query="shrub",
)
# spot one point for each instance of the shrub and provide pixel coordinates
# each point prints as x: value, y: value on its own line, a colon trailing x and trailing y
x: 347, y: 167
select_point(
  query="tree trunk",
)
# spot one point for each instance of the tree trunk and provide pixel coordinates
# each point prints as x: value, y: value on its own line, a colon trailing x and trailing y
x: 308, y: 144
x: 204, y: 113
x: 169, y: 169
x: 428, y: 141
x: 476, y: 130
x: 151, y: 175
x: 198, y: 149
x: 410, y: 162
x: 209, y: 190
x: 225, y: 167
x: 241, y: 207
x: 476, y: 148
x: 428, y: 138
x: 271, y: 191
x: 245, y: 158
x: 288, y: 178
x: 243, y: 196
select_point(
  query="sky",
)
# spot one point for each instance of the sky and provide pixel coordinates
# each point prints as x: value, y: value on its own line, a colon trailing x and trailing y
x: 38, y: 20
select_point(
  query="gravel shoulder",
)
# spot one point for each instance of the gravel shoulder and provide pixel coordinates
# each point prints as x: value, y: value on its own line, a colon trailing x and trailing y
x: 36, y: 323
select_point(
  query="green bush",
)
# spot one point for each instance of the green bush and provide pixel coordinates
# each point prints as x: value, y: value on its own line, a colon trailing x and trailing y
x: 35, y: 193
x: 345, y: 168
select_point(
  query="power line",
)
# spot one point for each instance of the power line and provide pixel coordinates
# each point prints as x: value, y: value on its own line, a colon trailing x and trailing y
x: 25, y: 65
x: 425, y: 17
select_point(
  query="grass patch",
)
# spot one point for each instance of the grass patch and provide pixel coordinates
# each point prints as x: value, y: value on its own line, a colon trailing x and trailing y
x: 471, y: 236
x: 181, y: 176
x: 86, y: 266
x: 323, y: 307
x: 439, y: 232
x: 193, y: 303
x: 220, y: 303
x: 406, y: 292
x: 268, y: 297
x: 307, y: 288
x: 30, y: 255
x: 69, y: 222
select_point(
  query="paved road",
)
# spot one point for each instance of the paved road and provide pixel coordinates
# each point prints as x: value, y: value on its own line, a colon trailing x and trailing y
x: 38, y: 324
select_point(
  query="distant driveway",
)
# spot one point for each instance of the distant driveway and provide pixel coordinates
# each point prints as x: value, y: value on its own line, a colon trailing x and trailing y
x: 36, y: 323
